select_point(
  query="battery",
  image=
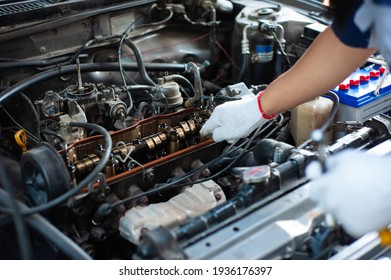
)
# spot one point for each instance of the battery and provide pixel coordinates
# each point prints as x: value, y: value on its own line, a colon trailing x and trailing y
x: 359, y: 98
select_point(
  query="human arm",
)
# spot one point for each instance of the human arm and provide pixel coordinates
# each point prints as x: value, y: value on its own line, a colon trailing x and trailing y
x: 325, y: 64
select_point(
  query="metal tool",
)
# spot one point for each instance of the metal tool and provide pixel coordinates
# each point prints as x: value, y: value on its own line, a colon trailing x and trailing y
x: 319, y: 138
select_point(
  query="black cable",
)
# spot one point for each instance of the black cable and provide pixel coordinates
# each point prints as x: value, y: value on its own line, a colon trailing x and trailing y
x: 165, y: 186
x: 247, y: 144
x: 129, y: 78
x: 87, y: 67
x: 184, y: 93
x: 237, y: 157
x: 329, y: 119
x: 122, y: 73
x: 50, y: 232
x: 176, y: 182
x: 86, y: 45
x: 137, y: 53
x: 182, y: 81
x: 123, y: 37
x: 276, y: 128
x: 7, y: 59
x: 105, y: 208
x: 31, y: 135
x: 20, y: 226
x: 33, y: 110
x: 52, y: 133
x: 86, y: 181
x: 120, y: 64
x: 233, y: 162
x: 33, y: 63
x: 163, y: 21
x: 82, y: 49
x: 281, y: 49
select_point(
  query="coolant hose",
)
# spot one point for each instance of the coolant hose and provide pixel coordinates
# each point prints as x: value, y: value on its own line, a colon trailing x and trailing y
x: 141, y: 63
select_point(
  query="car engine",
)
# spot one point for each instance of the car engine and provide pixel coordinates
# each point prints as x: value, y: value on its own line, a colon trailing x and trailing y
x: 101, y: 156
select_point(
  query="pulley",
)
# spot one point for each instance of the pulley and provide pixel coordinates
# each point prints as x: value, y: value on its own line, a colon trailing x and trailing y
x: 44, y: 174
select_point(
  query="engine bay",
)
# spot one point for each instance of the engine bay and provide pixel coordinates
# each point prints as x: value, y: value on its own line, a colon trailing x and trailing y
x: 101, y: 156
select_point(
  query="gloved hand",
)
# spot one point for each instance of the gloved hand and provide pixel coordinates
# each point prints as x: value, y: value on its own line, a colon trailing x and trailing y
x: 233, y: 120
x: 376, y: 15
x: 356, y: 189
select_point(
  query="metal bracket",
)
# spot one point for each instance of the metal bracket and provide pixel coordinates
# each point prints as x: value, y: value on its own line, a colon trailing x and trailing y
x: 98, y: 32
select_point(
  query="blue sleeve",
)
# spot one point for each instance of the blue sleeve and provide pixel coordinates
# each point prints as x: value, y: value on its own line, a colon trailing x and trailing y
x: 382, y: 2
x: 348, y: 32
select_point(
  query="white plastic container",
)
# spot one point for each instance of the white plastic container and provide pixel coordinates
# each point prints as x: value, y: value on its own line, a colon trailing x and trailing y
x: 309, y: 116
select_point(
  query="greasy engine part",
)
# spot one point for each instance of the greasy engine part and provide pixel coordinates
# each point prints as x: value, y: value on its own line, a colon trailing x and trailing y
x: 87, y: 103
x: 261, y: 186
x: 193, y: 201
x: 142, y: 143
x: 96, y: 103
x: 151, y: 73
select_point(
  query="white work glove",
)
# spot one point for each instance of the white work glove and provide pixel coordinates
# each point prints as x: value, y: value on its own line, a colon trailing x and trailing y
x: 356, y: 189
x: 375, y: 15
x: 234, y: 120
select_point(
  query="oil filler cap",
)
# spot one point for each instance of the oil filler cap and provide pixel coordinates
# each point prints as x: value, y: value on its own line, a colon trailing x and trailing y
x: 256, y: 174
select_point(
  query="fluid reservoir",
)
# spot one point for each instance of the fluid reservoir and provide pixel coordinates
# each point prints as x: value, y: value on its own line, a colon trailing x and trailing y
x: 261, y: 62
x: 253, y: 13
x: 309, y: 116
